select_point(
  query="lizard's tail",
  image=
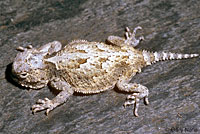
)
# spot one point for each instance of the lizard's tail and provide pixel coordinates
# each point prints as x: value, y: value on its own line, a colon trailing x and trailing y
x: 162, y: 56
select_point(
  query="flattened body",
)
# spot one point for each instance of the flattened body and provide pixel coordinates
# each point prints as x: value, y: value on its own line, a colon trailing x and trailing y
x: 87, y: 67
x: 92, y: 67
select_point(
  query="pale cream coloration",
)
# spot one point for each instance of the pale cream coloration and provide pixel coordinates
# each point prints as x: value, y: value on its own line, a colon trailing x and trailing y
x: 87, y: 67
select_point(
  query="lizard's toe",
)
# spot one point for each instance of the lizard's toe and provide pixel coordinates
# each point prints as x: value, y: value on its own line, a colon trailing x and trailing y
x: 133, y: 100
x: 40, y: 105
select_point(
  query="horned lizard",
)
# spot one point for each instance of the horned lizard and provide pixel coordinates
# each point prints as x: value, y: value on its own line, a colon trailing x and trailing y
x: 87, y: 67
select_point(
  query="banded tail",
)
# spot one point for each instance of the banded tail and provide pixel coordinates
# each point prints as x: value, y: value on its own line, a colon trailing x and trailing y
x: 162, y: 56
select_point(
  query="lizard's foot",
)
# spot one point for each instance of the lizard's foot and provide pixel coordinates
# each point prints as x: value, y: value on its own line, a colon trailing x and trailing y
x: 130, y: 37
x: 134, y: 100
x: 49, y: 105
x: 45, y: 104
x: 139, y: 92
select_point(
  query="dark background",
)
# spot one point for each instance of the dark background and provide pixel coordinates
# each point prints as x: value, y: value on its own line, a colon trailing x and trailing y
x: 168, y: 25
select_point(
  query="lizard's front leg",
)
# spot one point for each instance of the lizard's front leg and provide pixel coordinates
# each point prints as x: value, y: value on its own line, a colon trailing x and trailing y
x: 139, y: 92
x: 47, y: 104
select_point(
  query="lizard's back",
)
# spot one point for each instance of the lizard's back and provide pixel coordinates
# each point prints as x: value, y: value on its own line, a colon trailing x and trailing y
x: 92, y: 67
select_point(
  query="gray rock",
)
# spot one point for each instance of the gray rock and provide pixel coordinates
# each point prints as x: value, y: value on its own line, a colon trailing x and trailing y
x: 174, y: 85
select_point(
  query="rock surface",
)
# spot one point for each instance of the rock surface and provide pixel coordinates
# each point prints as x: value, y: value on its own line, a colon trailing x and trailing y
x: 174, y: 85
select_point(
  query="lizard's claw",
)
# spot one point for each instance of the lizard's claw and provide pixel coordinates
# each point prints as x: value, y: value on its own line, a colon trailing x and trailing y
x: 42, y: 105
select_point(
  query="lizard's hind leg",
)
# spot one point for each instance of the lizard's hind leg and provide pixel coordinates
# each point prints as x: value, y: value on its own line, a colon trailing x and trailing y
x: 139, y: 92
x: 130, y: 37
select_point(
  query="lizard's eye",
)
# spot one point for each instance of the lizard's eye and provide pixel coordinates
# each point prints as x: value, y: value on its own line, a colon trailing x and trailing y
x: 23, y: 75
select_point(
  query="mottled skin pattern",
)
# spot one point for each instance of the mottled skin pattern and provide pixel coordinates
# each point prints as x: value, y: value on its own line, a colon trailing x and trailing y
x: 86, y: 67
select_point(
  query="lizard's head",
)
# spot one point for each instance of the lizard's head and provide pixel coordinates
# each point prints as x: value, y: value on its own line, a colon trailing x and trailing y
x: 28, y: 68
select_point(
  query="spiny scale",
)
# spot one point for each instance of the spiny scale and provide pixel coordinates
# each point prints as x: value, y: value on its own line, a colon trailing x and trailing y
x: 172, y: 56
x: 150, y: 57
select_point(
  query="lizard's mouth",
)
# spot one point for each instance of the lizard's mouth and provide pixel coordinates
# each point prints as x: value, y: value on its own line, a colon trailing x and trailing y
x: 19, y: 81
x: 16, y: 77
